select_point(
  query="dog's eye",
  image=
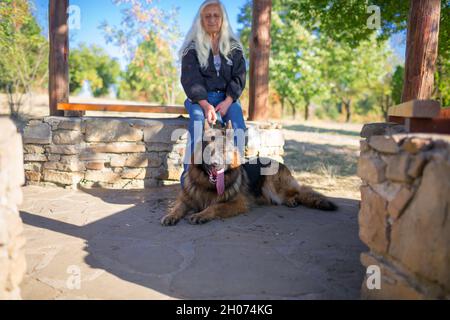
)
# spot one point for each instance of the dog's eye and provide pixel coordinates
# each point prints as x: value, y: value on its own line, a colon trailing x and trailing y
x: 213, y: 138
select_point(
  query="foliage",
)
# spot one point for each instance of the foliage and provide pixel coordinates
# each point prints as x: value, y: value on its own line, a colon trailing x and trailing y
x: 94, y: 65
x: 148, y: 37
x: 23, y: 52
x: 152, y: 74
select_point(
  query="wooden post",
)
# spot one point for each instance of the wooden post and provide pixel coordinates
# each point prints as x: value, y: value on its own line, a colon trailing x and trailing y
x: 58, y: 87
x: 421, y: 49
x: 259, y: 60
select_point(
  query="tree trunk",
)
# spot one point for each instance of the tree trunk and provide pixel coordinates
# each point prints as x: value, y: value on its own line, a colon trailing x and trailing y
x: 348, y: 113
x: 58, y: 87
x: 421, y: 49
x: 307, y: 110
x: 282, y: 107
x: 259, y: 60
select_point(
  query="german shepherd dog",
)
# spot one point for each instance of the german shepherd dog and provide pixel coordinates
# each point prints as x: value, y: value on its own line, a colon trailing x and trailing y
x: 222, y: 187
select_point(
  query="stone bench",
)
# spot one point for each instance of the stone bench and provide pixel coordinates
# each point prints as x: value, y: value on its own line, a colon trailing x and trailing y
x: 405, y: 212
x: 120, y: 153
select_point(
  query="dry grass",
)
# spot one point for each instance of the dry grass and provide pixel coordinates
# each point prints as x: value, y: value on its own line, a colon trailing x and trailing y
x: 324, y: 155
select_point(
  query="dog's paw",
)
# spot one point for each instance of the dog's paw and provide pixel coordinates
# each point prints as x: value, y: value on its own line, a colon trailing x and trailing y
x: 198, y: 218
x: 169, y: 220
x: 292, y: 202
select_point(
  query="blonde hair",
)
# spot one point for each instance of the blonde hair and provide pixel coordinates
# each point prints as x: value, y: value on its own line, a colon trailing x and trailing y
x: 198, y: 39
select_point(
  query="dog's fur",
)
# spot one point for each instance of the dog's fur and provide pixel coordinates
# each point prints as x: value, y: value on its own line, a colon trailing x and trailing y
x: 244, y: 187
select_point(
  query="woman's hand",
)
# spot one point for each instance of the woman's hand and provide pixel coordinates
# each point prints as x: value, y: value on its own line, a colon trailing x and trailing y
x: 224, y: 106
x: 208, y: 109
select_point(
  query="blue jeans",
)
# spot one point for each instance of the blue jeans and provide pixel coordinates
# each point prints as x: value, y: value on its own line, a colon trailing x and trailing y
x: 196, y: 113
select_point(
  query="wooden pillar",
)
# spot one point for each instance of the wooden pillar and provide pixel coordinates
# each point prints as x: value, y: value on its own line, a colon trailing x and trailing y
x: 421, y: 49
x: 58, y: 87
x: 259, y: 60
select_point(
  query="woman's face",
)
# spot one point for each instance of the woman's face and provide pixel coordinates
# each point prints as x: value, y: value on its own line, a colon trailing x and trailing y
x: 212, y: 18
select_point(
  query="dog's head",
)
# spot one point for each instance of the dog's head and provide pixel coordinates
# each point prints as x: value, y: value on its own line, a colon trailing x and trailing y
x: 219, y: 153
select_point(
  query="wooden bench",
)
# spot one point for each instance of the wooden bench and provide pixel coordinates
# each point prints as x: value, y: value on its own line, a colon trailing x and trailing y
x: 74, y: 107
x: 426, y: 116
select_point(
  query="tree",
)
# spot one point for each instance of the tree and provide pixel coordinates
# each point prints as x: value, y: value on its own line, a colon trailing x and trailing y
x: 295, y: 61
x: 94, y: 65
x: 356, y: 72
x: 148, y: 37
x: 23, y: 52
x: 151, y: 75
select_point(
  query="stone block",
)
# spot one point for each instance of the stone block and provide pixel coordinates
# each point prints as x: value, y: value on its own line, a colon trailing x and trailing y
x: 397, y: 168
x: 33, y: 166
x: 32, y: 176
x: 373, y: 220
x: 66, y: 163
x: 396, y: 206
x: 416, y: 165
x: 414, y: 144
x: 128, y: 173
x: 162, y: 133
x: 30, y: 148
x: 65, y: 149
x: 102, y: 176
x: 95, y: 165
x: 420, y: 239
x: 64, y: 178
x: 371, y: 169
x: 67, y: 137
x: 37, y: 134
x: 384, y: 144
x: 35, y: 157
x: 116, y: 147
x: 393, y: 284
x: 111, y: 130
x: 381, y: 128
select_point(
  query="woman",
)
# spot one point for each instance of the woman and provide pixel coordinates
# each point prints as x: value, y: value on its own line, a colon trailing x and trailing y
x: 212, y: 74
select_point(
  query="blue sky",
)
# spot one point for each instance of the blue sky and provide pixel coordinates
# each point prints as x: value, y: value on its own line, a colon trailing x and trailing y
x: 93, y: 12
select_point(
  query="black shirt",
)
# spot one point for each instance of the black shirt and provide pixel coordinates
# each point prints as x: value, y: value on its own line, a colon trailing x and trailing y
x: 197, y: 82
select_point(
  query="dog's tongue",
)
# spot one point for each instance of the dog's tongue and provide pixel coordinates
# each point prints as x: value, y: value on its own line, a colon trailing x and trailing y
x: 220, y: 182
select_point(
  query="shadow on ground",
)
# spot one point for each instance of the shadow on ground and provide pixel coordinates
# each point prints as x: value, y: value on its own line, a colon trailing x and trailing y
x: 271, y: 252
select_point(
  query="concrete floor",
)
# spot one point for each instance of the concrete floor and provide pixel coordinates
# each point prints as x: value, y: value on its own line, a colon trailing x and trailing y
x: 113, y: 243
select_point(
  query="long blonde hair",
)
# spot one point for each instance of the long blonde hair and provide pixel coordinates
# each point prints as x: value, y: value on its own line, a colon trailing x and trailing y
x: 198, y: 39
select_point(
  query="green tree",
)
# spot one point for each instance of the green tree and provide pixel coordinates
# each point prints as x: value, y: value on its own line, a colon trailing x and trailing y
x: 151, y: 75
x: 94, y: 65
x: 397, y: 84
x: 23, y: 52
x: 148, y: 36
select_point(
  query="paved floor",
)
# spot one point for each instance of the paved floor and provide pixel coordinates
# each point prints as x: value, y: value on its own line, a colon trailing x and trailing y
x: 101, y: 244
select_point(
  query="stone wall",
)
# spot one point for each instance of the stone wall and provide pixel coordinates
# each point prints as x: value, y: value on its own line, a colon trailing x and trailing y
x: 405, y: 213
x: 12, y: 258
x: 119, y: 153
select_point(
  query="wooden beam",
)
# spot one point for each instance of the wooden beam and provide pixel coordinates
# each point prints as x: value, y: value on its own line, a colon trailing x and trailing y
x: 58, y: 88
x: 259, y: 60
x: 421, y: 49
x: 121, y: 108
x: 416, y: 109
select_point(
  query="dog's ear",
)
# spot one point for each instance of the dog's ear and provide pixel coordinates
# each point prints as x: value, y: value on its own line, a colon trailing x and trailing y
x: 206, y: 125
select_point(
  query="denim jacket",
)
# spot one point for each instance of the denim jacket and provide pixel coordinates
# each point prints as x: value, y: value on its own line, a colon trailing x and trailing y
x: 197, y: 82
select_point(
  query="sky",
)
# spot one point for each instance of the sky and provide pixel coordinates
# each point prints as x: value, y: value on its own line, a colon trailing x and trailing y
x: 93, y: 12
